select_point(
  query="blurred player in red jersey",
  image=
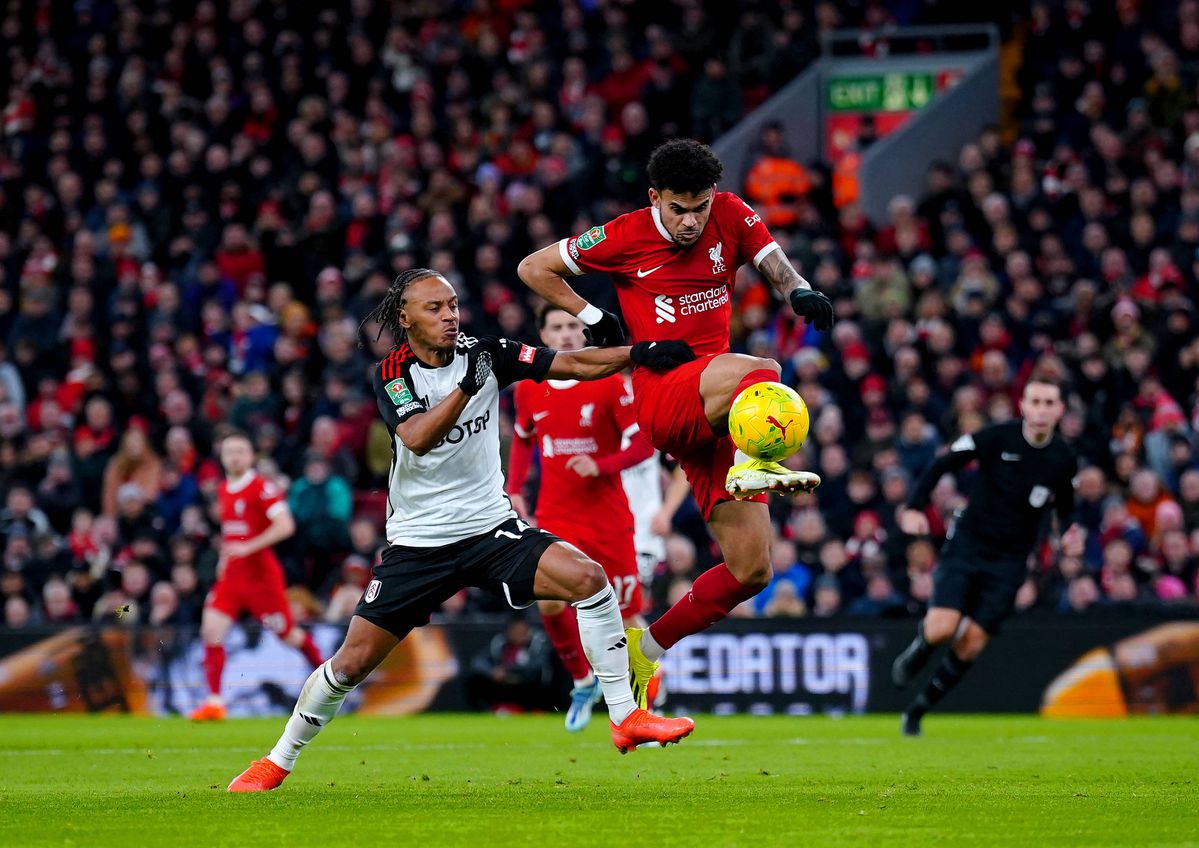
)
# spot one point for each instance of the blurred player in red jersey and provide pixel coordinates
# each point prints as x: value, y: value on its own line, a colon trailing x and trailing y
x: 580, y: 428
x: 674, y: 265
x: 254, y: 517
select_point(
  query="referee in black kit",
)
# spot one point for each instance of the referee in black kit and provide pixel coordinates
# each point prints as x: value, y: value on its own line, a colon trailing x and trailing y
x: 1024, y: 467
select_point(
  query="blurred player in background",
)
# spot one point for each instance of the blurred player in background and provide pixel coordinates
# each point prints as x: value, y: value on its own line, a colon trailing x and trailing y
x: 643, y: 485
x: 674, y: 264
x: 1024, y: 470
x: 587, y: 436
x: 254, y: 518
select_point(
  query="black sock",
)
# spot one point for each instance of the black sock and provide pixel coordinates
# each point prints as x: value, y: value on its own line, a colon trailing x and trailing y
x: 917, y: 654
x: 952, y: 669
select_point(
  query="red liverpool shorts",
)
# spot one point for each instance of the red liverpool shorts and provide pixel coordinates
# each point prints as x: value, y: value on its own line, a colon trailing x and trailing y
x: 258, y: 589
x: 614, y: 552
x: 670, y: 412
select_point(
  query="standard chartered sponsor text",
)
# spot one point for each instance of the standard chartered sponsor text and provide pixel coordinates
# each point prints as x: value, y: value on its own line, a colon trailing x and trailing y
x: 701, y: 301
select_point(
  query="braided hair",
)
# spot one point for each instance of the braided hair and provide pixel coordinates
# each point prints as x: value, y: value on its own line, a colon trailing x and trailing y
x: 387, y: 313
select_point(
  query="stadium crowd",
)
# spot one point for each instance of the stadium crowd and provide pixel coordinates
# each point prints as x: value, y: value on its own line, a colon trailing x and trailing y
x: 198, y: 208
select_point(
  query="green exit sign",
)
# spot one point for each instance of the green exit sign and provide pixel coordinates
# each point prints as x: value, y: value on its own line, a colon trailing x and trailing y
x: 881, y: 92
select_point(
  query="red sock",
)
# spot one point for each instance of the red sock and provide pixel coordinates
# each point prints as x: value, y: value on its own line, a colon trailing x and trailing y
x: 310, y: 651
x: 762, y: 375
x: 713, y: 596
x: 214, y: 666
x: 563, y: 630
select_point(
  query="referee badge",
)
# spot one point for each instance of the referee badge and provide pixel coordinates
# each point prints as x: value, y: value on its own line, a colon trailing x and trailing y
x: 372, y: 591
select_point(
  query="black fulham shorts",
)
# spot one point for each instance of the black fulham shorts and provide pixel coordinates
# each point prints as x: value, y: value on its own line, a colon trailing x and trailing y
x: 978, y: 582
x: 412, y: 583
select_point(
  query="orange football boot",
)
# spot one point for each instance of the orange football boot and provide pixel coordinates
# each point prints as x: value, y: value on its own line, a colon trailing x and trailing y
x: 261, y: 776
x: 642, y: 726
x: 208, y: 711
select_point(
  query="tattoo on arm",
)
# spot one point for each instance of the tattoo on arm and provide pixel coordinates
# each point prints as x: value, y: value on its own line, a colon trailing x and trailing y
x: 777, y: 269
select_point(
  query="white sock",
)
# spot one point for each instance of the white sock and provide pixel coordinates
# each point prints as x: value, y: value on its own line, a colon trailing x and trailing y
x: 584, y: 681
x: 319, y: 701
x: 650, y: 647
x: 601, y: 630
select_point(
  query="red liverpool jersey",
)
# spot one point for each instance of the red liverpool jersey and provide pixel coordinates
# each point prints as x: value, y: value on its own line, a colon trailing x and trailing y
x: 247, y: 507
x: 672, y: 292
x: 566, y: 419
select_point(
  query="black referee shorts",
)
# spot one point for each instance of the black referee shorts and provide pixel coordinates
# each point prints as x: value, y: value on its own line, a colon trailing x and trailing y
x: 978, y: 581
x: 411, y: 583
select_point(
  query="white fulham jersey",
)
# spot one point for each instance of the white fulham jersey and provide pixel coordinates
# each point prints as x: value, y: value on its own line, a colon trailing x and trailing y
x: 456, y: 490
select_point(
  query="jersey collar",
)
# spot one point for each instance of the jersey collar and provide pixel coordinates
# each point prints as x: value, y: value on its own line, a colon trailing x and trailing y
x: 235, y: 486
x: 656, y: 214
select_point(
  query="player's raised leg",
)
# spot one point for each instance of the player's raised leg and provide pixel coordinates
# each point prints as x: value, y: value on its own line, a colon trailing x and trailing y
x: 214, y: 627
x: 561, y: 625
x: 365, y: 646
x: 726, y: 377
x: 742, y: 529
x: 564, y: 573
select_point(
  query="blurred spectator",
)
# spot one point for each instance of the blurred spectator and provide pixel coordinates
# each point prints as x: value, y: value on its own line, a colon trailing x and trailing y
x: 20, y: 512
x: 355, y: 574
x: 787, y: 570
x: 58, y: 605
x: 776, y: 183
x: 321, y: 503
x: 513, y: 673
x: 17, y: 613
x: 827, y: 596
x: 134, y: 463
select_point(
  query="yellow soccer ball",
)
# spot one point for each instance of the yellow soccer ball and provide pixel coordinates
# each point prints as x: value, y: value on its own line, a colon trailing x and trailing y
x: 768, y: 421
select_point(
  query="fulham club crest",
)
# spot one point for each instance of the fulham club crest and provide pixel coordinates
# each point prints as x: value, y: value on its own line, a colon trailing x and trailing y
x: 372, y: 591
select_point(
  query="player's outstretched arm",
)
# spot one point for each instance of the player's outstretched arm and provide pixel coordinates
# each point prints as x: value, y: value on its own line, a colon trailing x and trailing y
x: 813, y: 306
x: 961, y: 453
x: 595, y: 363
x: 545, y: 272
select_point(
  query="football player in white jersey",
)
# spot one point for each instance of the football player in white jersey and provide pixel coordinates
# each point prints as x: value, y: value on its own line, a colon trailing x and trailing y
x: 449, y: 524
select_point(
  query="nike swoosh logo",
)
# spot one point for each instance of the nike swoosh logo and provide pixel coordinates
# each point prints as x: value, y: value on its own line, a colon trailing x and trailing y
x: 641, y: 273
x: 537, y: 416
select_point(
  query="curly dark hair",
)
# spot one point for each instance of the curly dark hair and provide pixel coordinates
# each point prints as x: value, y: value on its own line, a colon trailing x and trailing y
x: 387, y: 313
x: 683, y: 165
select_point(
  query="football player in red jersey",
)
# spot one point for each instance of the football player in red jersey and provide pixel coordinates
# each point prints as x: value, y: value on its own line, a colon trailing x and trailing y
x: 587, y: 435
x: 674, y: 264
x: 254, y: 516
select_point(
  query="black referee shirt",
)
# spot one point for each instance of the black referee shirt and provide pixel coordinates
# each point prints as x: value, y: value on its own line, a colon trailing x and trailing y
x: 1016, y: 483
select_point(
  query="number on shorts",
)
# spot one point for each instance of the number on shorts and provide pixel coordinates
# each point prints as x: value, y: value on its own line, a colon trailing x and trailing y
x: 623, y: 586
x: 520, y: 525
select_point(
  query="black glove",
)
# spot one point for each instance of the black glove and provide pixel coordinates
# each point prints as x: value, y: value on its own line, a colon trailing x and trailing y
x: 813, y: 306
x: 480, y: 360
x: 606, y: 332
x: 661, y: 356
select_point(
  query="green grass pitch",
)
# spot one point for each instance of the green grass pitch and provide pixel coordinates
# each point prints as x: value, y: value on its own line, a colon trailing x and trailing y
x: 482, y: 781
